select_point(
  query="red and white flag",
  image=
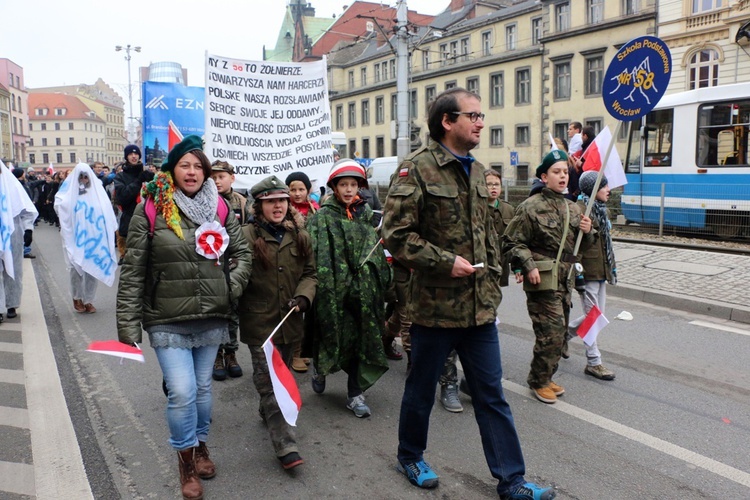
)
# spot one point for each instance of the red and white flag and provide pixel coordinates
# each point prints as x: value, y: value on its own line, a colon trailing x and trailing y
x: 284, y: 386
x: 115, y: 348
x: 594, y: 156
x: 592, y: 325
x: 174, y: 136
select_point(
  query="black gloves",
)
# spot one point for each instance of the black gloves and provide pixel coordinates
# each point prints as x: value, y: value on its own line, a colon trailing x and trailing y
x: 27, y: 237
x: 300, y: 302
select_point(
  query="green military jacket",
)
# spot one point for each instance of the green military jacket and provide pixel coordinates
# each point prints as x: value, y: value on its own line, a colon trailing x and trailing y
x: 264, y: 302
x: 167, y: 281
x: 595, y: 266
x: 536, y: 230
x: 432, y: 214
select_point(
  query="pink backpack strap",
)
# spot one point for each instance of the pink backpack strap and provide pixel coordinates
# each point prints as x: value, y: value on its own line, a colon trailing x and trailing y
x: 222, y: 210
x: 150, y: 209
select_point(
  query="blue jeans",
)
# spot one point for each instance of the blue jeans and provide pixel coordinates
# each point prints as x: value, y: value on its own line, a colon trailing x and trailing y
x: 187, y: 373
x: 479, y: 350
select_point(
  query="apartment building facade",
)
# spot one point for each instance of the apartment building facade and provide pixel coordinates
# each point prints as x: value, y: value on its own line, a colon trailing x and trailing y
x: 536, y: 65
x: 11, y: 77
x: 64, y: 131
x: 5, y: 131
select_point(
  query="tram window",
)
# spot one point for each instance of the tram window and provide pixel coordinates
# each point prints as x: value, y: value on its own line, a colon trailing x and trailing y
x: 633, y: 155
x: 723, y: 134
x: 658, y: 137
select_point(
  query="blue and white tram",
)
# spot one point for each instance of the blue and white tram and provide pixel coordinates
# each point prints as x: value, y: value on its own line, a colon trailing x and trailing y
x: 690, y: 156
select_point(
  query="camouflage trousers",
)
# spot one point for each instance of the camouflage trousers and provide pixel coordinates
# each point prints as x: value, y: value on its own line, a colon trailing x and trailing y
x: 281, y: 433
x: 549, y: 313
x: 398, y: 322
x: 450, y: 370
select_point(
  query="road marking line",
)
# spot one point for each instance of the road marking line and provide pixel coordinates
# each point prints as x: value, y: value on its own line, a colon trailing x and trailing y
x: 14, y: 417
x: 17, y: 478
x: 12, y: 376
x: 11, y: 347
x: 653, y: 442
x: 718, y: 326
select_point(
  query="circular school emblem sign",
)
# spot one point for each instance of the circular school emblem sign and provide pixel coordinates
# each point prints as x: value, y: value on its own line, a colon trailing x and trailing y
x: 637, y: 78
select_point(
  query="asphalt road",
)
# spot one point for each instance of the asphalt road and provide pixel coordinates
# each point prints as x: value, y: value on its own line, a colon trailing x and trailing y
x: 674, y: 424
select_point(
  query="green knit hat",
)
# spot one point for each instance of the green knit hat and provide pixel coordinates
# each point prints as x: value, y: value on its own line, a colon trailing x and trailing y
x: 188, y: 144
x: 554, y: 156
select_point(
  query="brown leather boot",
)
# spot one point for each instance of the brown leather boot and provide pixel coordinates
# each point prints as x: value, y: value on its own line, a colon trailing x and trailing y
x: 192, y: 489
x: 203, y: 464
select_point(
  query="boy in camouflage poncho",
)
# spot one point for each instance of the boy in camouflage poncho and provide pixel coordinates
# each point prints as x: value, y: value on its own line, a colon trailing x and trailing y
x: 353, y: 276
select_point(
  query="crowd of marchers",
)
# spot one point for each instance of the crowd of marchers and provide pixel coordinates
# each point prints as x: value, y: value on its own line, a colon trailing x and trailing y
x: 203, y: 268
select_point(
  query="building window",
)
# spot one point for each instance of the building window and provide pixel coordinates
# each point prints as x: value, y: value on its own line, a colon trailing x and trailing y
x: 522, y: 173
x: 366, y: 112
x: 72, y: 157
x: 562, y: 16
x: 379, y: 110
x: 59, y: 157
x: 365, y: 148
x: 70, y: 125
x: 377, y: 72
x: 380, y: 146
x: 425, y: 59
x: 44, y: 141
x: 20, y: 126
x: 496, y: 136
x: 630, y: 7
x: 31, y: 141
x: 394, y: 106
x: 453, y: 51
x: 32, y: 158
x: 13, y: 102
x: 60, y: 111
x: 31, y: 126
x: 450, y: 85
x: 703, y: 69
x: 339, y: 117
x: 595, y: 11
x: 562, y: 80
x: 393, y: 68
x: 536, y: 30
x: 443, y: 54
x: 465, y: 49
x: 472, y: 85
x: 10, y: 78
x: 522, y: 135
x: 45, y: 158
x: 511, y: 37
x: 384, y: 67
x: 496, y: 90
x: 57, y: 126
x: 413, y: 105
x: 523, y: 86
x: 363, y: 75
x: 58, y: 141
x: 429, y: 95
x: 351, y: 79
x: 594, y: 75
x: 594, y: 122
x: 352, y: 148
x: 700, y: 6
x: 486, y: 43
x: 561, y: 130
x: 72, y: 141
x: 352, y: 115
x: 20, y: 109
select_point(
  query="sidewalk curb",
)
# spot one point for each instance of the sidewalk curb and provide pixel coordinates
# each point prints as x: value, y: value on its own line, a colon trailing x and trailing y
x: 58, y: 466
x: 681, y: 302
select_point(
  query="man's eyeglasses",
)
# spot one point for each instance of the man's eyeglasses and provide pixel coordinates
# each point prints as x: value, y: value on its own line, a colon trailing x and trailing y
x: 473, y: 116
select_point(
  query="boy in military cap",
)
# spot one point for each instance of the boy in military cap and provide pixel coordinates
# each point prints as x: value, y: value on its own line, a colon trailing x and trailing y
x: 226, y: 359
x: 535, y: 234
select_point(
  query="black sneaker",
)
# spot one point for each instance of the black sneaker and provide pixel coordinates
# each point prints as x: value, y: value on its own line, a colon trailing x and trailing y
x: 232, y: 367
x: 291, y: 460
x: 220, y: 372
x: 12, y: 312
x: 318, y: 382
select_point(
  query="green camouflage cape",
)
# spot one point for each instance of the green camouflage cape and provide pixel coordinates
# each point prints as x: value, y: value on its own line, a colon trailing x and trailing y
x: 348, y: 314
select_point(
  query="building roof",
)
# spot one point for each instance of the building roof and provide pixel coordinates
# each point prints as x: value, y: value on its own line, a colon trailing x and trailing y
x: 76, y: 110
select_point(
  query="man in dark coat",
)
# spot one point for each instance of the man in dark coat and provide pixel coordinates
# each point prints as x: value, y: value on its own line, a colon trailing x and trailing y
x: 127, y: 191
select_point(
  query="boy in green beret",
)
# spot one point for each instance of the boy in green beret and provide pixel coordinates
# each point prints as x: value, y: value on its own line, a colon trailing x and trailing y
x: 538, y: 237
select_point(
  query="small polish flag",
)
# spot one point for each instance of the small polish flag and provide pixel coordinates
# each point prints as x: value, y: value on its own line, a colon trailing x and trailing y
x: 115, y: 348
x: 592, y: 325
x: 403, y: 172
x: 594, y: 156
x: 284, y: 386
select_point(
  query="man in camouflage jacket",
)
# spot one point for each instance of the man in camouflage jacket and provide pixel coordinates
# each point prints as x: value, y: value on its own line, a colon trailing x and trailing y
x: 437, y: 222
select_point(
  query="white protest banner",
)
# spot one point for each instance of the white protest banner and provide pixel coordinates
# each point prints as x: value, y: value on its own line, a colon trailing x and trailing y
x: 87, y: 225
x: 6, y: 218
x: 268, y: 118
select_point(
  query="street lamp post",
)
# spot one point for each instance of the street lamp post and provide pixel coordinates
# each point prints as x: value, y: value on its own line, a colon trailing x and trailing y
x: 130, y: 87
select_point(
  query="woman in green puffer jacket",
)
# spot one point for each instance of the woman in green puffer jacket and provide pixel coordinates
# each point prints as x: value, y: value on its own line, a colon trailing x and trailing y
x: 177, y: 285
